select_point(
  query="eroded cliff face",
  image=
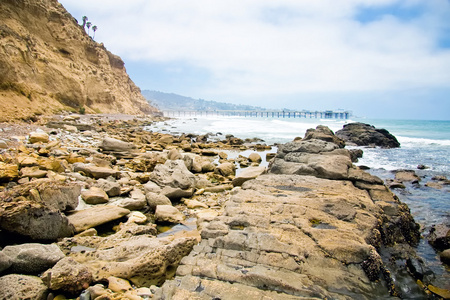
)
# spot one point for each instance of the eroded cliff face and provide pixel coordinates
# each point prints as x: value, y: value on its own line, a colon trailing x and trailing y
x: 48, y: 64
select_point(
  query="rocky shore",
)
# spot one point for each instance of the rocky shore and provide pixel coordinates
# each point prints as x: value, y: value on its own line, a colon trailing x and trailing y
x: 85, y: 201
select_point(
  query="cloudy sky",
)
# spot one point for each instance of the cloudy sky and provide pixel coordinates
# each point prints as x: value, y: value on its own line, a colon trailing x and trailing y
x: 378, y: 58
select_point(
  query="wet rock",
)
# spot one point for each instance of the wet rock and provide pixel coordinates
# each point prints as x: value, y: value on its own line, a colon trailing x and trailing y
x: 67, y: 276
x: 422, y: 167
x: 406, y: 176
x: 168, y: 213
x: 445, y: 256
x: 22, y: 287
x: 94, y: 195
x: 247, y: 174
x: 367, y: 135
x: 355, y: 154
x: 32, y: 258
x: 94, y: 216
x: 255, y: 157
x: 439, y: 237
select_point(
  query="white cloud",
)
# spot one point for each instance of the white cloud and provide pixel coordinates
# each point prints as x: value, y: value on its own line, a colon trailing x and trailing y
x: 262, y: 47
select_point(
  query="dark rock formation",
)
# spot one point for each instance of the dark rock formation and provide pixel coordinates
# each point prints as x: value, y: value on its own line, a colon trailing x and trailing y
x: 361, y: 134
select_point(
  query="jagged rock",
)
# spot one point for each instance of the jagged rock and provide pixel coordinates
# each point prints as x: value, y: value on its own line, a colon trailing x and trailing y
x: 367, y: 135
x: 15, y: 286
x: 8, y: 172
x: 94, y: 216
x: 111, y: 188
x: 67, y: 275
x: 247, y: 174
x: 325, y: 134
x: 173, y: 173
x: 34, y: 209
x: 32, y: 258
x: 168, y: 213
x: 94, y: 195
x: 154, y: 199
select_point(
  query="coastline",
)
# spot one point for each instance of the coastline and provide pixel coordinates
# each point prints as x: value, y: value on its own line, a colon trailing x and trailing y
x: 212, y: 189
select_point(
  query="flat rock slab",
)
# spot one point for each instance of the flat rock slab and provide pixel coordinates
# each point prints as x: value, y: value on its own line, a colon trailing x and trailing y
x: 277, y: 236
x: 94, y: 216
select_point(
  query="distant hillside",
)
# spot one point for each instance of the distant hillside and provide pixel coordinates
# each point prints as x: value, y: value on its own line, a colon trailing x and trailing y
x: 170, y: 101
x: 48, y: 63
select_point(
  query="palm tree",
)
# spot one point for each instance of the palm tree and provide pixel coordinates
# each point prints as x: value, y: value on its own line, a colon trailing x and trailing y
x: 94, y: 28
x: 88, y: 25
x: 84, y: 21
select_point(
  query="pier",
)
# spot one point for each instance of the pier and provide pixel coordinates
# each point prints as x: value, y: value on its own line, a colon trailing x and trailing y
x: 328, y: 114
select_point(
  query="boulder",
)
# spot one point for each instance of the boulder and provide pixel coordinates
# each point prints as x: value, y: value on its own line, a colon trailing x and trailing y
x: 5, y: 262
x: 34, y: 209
x: 111, y: 188
x: 255, y: 157
x: 32, y: 258
x: 38, y: 137
x: 94, y: 195
x: 361, y: 134
x: 406, y: 176
x: 325, y: 134
x: 94, y: 216
x: 439, y: 237
x: 114, y: 145
x: 247, y: 174
x: 445, y: 256
x: 173, y: 173
x: 154, y: 199
x: 226, y: 169
x: 67, y: 275
x: 168, y: 213
x: 17, y: 287
x: 193, y: 204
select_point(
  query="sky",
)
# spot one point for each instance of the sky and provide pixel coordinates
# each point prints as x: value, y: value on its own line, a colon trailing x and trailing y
x: 377, y: 58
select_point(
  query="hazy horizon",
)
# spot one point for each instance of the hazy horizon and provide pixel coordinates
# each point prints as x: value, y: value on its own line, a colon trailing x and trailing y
x: 379, y: 59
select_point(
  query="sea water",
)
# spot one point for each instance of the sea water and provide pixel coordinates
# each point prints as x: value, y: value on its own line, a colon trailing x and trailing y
x: 422, y: 143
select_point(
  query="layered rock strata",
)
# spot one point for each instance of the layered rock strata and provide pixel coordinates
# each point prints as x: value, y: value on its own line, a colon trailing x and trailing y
x: 48, y: 63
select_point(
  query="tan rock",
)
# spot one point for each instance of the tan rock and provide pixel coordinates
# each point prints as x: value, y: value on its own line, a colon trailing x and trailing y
x: 255, y: 157
x: 38, y: 137
x: 192, y: 204
x: 226, y: 169
x: 168, y: 213
x: 33, y: 172
x: 94, y: 216
x: 8, y: 172
x: 94, y: 195
x: 118, y: 285
x: 247, y: 174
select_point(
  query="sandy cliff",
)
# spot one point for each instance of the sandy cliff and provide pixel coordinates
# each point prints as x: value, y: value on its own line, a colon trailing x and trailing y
x: 48, y: 63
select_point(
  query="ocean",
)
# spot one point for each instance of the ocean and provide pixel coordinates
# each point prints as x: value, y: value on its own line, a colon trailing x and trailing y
x: 422, y: 143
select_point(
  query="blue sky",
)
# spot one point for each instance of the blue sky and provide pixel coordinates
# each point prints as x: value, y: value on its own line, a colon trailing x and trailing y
x: 378, y: 58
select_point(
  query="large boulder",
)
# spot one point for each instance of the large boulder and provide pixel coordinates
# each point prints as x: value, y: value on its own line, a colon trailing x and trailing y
x: 32, y: 258
x: 17, y: 287
x: 361, y: 134
x: 34, y: 209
